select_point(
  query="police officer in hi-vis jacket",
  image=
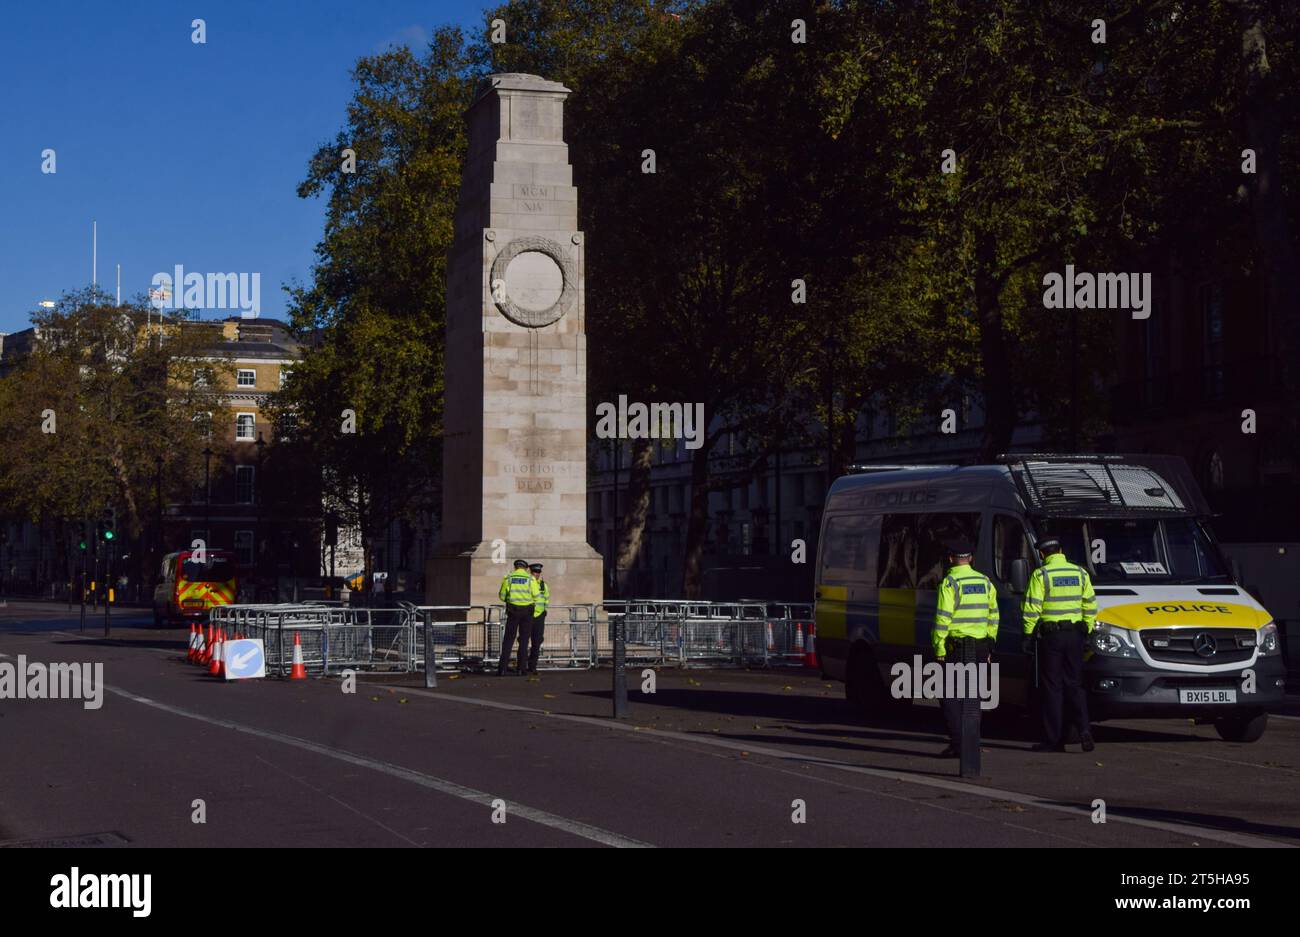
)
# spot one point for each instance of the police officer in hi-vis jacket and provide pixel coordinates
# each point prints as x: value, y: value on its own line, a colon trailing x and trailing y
x: 539, y: 617
x: 966, y: 609
x: 1060, y: 610
x: 519, y: 592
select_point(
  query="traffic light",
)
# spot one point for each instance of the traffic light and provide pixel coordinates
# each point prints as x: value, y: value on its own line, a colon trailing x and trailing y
x: 110, y: 522
x: 81, y: 537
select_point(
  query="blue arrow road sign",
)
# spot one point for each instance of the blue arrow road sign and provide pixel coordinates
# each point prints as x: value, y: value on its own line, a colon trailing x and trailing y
x: 245, y: 659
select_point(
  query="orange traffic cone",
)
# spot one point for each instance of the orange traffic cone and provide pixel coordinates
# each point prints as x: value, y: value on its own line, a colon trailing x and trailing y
x: 207, y: 648
x: 298, y: 671
x: 810, y: 655
x: 221, y: 670
x: 798, y: 638
x: 189, y: 655
x: 214, y: 667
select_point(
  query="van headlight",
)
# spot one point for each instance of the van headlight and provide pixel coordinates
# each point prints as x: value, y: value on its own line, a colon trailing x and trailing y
x: 1268, y: 640
x: 1113, y: 641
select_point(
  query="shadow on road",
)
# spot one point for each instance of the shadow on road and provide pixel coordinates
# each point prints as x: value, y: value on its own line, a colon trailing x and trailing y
x: 161, y: 644
x: 921, y: 723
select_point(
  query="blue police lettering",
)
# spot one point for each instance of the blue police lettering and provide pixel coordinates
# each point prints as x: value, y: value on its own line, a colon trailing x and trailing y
x: 974, y: 587
x: 1065, y: 580
x: 1180, y: 607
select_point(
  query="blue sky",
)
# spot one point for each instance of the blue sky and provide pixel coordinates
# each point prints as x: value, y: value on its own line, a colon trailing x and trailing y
x: 184, y: 154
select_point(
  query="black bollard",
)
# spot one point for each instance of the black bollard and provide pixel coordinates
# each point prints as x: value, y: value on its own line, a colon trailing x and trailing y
x: 620, y: 667
x: 430, y: 665
x: 970, y: 712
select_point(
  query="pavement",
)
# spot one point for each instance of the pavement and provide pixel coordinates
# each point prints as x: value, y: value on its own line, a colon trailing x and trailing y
x: 711, y: 758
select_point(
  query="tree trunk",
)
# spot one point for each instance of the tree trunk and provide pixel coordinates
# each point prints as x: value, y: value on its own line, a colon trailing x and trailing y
x: 697, y: 527
x: 638, y: 509
x: 999, y: 399
x: 1273, y: 234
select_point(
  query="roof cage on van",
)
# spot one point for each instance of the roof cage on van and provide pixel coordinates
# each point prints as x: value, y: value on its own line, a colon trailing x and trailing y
x: 1105, y: 485
x: 863, y: 469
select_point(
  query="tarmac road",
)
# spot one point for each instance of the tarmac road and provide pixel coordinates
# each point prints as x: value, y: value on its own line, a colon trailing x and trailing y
x: 711, y: 758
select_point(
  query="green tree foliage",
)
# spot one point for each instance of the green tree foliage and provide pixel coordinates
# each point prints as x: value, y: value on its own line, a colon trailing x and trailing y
x: 375, y: 310
x: 110, y: 403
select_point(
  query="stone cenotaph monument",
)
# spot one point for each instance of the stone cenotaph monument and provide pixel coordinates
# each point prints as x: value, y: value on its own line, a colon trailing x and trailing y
x: 515, y: 457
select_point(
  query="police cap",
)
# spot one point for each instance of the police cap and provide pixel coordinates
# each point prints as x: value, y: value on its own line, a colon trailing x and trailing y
x: 1049, y: 544
x: 959, y: 546
x: 521, y: 564
x: 536, y: 567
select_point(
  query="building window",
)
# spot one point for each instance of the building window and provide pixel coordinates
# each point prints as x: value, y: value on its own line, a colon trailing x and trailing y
x: 284, y: 376
x: 245, y: 427
x: 244, y: 547
x: 244, y: 483
x: 246, y: 377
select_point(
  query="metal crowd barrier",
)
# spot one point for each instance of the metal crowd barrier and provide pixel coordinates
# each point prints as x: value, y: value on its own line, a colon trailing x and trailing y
x: 663, y: 632
x: 745, y: 633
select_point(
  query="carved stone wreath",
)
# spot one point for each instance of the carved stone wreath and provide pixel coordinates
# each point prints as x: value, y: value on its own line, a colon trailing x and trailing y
x: 533, y: 318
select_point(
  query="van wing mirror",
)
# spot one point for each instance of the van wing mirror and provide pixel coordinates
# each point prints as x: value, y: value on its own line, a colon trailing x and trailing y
x: 1019, y: 576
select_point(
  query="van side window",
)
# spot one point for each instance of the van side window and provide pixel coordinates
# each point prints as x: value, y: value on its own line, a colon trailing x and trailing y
x: 896, y: 568
x: 1009, y: 544
x: 845, y: 551
x: 934, y: 531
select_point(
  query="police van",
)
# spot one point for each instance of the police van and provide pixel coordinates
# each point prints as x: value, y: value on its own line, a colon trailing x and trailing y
x: 1175, y: 637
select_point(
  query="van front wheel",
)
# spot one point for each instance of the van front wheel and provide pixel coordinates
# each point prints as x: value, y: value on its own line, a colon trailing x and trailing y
x: 1244, y: 727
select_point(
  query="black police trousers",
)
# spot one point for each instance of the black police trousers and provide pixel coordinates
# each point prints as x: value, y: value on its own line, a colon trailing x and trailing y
x: 951, y: 707
x: 534, y: 632
x: 518, y: 623
x: 1060, y: 678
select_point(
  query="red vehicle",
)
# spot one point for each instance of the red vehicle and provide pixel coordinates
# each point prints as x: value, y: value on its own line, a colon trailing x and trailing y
x: 189, y: 588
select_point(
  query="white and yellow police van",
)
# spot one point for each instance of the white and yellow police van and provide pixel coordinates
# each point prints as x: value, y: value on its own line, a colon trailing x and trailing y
x: 1175, y: 637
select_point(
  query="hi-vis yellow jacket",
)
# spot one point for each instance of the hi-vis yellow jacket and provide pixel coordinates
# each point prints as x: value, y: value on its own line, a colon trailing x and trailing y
x: 967, y: 607
x: 543, y: 598
x: 1059, y: 591
x: 519, y: 588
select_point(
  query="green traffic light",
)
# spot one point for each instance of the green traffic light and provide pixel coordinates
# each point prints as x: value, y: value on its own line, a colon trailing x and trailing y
x: 108, y: 535
x: 82, y: 545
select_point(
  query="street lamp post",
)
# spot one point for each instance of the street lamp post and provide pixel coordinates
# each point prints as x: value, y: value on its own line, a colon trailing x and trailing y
x: 207, y: 496
x: 831, y: 346
x: 258, y: 483
x: 157, y: 490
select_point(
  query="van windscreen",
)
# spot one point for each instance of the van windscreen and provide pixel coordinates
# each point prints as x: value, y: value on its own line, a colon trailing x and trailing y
x: 1136, y: 550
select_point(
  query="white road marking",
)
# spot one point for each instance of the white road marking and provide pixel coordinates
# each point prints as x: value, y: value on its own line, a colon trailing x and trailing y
x: 541, y: 817
x: 992, y: 793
